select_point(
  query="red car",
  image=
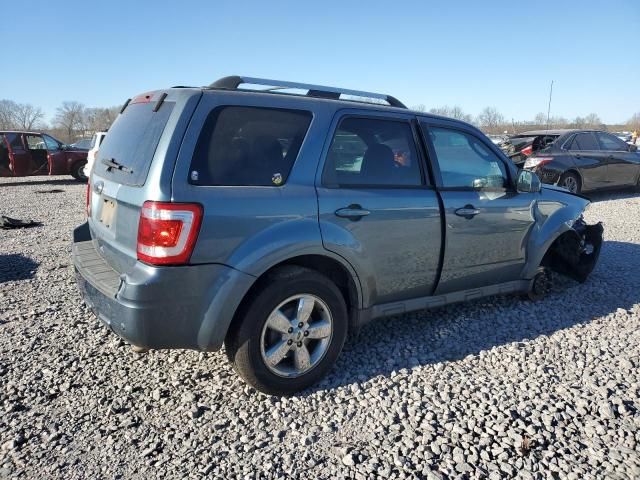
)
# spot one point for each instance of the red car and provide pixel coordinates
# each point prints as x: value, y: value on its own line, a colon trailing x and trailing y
x: 33, y: 153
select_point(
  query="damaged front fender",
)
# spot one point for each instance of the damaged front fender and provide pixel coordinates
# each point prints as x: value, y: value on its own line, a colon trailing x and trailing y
x: 575, y: 252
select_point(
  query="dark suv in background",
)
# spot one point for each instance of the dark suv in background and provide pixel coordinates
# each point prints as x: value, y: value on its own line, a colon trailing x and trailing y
x: 276, y: 222
x: 578, y: 160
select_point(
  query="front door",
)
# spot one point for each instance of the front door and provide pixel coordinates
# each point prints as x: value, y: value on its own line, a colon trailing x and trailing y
x: 487, y: 221
x: 376, y: 209
x: 622, y: 165
x: 590, y: 161
x: 56, y: 156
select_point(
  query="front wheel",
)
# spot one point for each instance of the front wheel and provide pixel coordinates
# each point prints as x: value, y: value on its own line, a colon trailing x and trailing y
x: 77, y: 172
x: 571, y: 182
x: 290, y: 333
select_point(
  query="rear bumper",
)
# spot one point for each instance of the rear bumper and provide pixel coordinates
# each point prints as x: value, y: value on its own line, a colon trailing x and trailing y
x: 160, y: 307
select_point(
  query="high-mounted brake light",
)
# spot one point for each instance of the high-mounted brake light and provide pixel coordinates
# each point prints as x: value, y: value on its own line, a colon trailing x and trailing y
x: 167, y: 232
x: 535, y: 162
x: 527, y: 150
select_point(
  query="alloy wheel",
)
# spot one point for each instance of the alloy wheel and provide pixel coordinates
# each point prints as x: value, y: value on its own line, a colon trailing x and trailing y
x: 296, y: 335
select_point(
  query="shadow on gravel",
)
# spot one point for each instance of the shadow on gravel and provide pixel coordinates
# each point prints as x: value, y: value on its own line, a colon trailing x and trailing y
x: 452, y: 333
x: 52, y: 181
x: 15, y: 267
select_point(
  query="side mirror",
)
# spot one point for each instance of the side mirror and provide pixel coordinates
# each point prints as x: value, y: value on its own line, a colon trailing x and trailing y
x: 528, y: 182
x: 633, y: 148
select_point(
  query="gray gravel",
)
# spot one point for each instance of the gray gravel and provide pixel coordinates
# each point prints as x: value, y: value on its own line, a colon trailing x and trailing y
x: 493, y: 389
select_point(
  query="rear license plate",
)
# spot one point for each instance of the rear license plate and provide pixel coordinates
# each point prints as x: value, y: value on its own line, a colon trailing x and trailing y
x: 108, y: 212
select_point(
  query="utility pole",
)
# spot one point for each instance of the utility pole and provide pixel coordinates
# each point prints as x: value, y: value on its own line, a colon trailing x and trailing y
x: 549, y: 107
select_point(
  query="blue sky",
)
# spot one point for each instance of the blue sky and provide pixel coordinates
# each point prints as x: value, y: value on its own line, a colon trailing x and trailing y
x: 466, y: 53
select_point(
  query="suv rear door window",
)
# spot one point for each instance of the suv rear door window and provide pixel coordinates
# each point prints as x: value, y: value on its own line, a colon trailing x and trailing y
x: 132, y: 142
x: 248, y: 146
x: 372, y: 152
x: 466, y: 162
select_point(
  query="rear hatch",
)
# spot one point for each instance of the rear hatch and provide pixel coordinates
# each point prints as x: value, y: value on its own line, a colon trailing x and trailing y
x: 135, y: 163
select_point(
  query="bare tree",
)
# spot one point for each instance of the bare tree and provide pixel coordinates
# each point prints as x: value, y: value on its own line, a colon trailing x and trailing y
x: 540, y: 119
x: 592, y: 120
x: 490, y: 119
x: 634, y: 122
x: 20, y: 116
x: 28, y: 117
x: 7, y: 114
x: 419, y: 108
x: 100, y: 119
x: 70, y: 118
x: 452, y: 112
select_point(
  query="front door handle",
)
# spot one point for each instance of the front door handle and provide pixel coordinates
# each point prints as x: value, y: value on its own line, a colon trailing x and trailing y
x: 468, y: 212
x: 353, y: 212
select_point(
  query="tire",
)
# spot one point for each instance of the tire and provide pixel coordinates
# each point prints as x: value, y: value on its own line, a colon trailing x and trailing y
x: 571, y: 182
x: 252, y: 339
x: 540, y: 285
x: 77, y: 171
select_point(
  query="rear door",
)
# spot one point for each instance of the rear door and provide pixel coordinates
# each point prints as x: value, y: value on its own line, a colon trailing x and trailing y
x: 5, y: 161
x: 19, y: 157
x: 376, y: 206
x: 487, y: 221
x: 622, y: 165
x: 590, y: 161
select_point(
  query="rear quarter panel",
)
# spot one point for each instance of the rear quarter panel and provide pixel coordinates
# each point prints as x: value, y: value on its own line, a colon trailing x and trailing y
x: 252, y: 228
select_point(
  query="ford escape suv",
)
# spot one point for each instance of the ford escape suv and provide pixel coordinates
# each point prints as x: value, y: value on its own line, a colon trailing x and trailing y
x: 275, y: 218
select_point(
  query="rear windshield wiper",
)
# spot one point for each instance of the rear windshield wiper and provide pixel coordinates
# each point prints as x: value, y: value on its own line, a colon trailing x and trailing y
x: 112, y: 163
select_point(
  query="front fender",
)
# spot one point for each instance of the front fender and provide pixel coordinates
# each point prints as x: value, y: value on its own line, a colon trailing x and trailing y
x: 555, y: 213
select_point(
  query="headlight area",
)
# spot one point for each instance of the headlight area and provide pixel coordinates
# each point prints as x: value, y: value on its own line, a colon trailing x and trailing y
x: 575, y: 252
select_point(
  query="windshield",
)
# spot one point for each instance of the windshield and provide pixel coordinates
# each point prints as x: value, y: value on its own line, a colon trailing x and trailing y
x: 132, y: 142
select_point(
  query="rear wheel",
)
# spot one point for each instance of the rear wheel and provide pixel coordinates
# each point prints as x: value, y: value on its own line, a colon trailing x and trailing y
x: 290, y: 333
x: 571, y: 182
x: 77, y: 171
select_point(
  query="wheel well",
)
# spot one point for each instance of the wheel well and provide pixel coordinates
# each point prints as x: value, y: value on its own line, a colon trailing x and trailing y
x: 576, y: 173
x: 327, y: 266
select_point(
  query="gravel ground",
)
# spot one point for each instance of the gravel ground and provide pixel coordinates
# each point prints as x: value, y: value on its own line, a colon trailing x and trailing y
x: 497, y: 388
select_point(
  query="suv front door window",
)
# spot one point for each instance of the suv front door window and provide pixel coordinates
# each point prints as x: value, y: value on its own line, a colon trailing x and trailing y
x: 487, y: 221
x: 372, y: 186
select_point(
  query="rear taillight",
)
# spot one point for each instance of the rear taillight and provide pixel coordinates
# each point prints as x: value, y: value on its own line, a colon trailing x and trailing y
x: 167, y: 232
x: 527, y: 150
x: 536, y: 162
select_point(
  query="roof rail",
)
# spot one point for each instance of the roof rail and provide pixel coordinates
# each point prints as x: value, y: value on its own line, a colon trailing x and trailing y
x: 333, y: 93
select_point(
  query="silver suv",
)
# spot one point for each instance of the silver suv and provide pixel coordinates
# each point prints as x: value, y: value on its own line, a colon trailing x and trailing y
x: 276, y: 218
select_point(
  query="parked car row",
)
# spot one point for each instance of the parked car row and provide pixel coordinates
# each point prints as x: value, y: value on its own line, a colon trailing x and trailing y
x: 276, y: 223
x: 579, y: 160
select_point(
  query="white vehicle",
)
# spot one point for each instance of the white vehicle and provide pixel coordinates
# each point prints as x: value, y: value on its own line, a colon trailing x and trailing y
x: 96, y: 141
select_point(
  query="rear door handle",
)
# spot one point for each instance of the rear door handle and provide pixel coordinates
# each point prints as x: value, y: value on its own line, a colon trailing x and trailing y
x: 353, y: 212
x: 468, y: 212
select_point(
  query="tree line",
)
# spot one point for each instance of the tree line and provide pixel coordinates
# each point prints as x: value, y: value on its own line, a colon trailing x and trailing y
x: 72, y: 121
x: 490, y: 120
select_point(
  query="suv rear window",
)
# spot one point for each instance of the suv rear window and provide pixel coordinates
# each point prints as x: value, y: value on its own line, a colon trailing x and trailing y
x: 132, y: 141
x: 248, y: 146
